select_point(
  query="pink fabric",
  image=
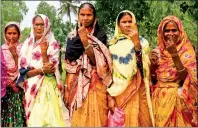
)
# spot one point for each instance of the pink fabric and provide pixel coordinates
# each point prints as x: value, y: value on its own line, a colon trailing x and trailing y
x: 117, y: 119
x: 3, y: 75
x: 31, y: 58
x: 12, y: 69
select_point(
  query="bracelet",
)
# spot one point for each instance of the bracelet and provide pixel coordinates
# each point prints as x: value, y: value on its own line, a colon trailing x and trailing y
x: 181, y: 70
x: 86, y: 47
x: 153, y: 74
x: 42, y: 71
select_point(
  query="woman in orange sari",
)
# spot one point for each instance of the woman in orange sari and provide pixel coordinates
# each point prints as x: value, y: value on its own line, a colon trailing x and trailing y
x: 173, y: 74
x: 88, y: 66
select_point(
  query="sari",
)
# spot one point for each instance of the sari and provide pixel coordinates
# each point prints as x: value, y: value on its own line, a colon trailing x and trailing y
x: 129, y: 88
x: 42, y: 95
x: 170, y: 109
x: 87, y: 84
x: 12, y: 109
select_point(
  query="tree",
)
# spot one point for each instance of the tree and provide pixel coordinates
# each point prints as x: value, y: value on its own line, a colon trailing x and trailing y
x: 108, y: 10
x: 59, y: 28
x: 67, y: 7
x: 25, y: 33
x: 46, y: 9
x: 12, y: 11
x: 148, y: 16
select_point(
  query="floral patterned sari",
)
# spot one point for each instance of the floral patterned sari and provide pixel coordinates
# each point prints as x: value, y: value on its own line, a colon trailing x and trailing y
x: 42, y: 96
x: 170, y: 109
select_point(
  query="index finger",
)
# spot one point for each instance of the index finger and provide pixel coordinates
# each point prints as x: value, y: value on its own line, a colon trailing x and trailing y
x: 134, y: 26
x: 83, y: 24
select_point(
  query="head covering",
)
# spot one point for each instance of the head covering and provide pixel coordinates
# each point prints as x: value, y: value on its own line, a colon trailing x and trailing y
x: 182, y: 36
x: 5, y: 40
x: 30, y: 57
x: 167, y: 71
x: 118, y: 34
x: 8, y: 61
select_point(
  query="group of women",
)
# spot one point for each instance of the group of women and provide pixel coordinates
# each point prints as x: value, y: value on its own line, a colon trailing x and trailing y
x: 157, y: 88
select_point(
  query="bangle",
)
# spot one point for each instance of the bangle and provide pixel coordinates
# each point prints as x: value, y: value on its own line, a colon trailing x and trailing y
x: 181, y: 70
x: 86, y: 47
x: 42, y: 71
x: 153, y: 74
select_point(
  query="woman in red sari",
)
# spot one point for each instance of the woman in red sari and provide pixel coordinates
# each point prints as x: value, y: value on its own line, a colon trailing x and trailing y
x: 174, y: 77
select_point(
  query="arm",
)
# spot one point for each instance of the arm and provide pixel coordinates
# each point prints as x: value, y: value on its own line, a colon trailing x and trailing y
x: 46, y: 69
x: 154, y: 59
x: 171, y: 48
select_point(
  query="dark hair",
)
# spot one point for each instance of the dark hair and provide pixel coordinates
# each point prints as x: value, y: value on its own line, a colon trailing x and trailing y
x: 90, y: 6
x: 123, y: 14
x: 12, y: 25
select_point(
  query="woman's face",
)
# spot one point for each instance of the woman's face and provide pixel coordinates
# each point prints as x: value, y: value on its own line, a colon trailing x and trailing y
x: 125, y: 24
x: 86, y: 16
x: 12, y: 35
x: 38, y: 28
x: 171, y: 31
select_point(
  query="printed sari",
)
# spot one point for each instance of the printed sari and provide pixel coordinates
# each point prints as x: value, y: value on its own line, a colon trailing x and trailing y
x: 87, y: 86
x: 42, y: 96
x: 170, y: 109
x: 12, y: 109
x: 129, y: 88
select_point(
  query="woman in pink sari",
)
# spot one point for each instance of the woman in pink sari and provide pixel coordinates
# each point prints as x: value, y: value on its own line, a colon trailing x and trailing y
x: 12, y: 109
x: 174, y: 75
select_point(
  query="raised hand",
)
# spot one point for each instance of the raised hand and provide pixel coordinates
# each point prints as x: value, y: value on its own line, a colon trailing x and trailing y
x: 154, y: 57
x: 12, y: 49
x: 170, y: 46
x: 82, y: 31
x: 44, y: 45
x: 134, y: 35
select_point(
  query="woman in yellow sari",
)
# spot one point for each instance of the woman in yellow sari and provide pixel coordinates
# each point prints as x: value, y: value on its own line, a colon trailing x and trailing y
x: 173, y: 72
x: 130, y: 87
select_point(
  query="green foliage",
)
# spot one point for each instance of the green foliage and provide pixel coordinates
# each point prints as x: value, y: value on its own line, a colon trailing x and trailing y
x: 60, y: 29
x: 25, y: 34
x: 108, y: 10
x: 12, y: 11
x: 148, y: 15
x: 46, y: 9
x: 67, y: 7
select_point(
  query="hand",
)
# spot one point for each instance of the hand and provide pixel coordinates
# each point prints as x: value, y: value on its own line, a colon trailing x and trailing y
x: 44, y: 45
x: 111, y: 104
x: 66, y: 97
x: 48, y: 68
x: 154, y: 57
x: 82, y: 31
x: 12, y: 49
x: 170, y: 46
x: 134, y: 35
